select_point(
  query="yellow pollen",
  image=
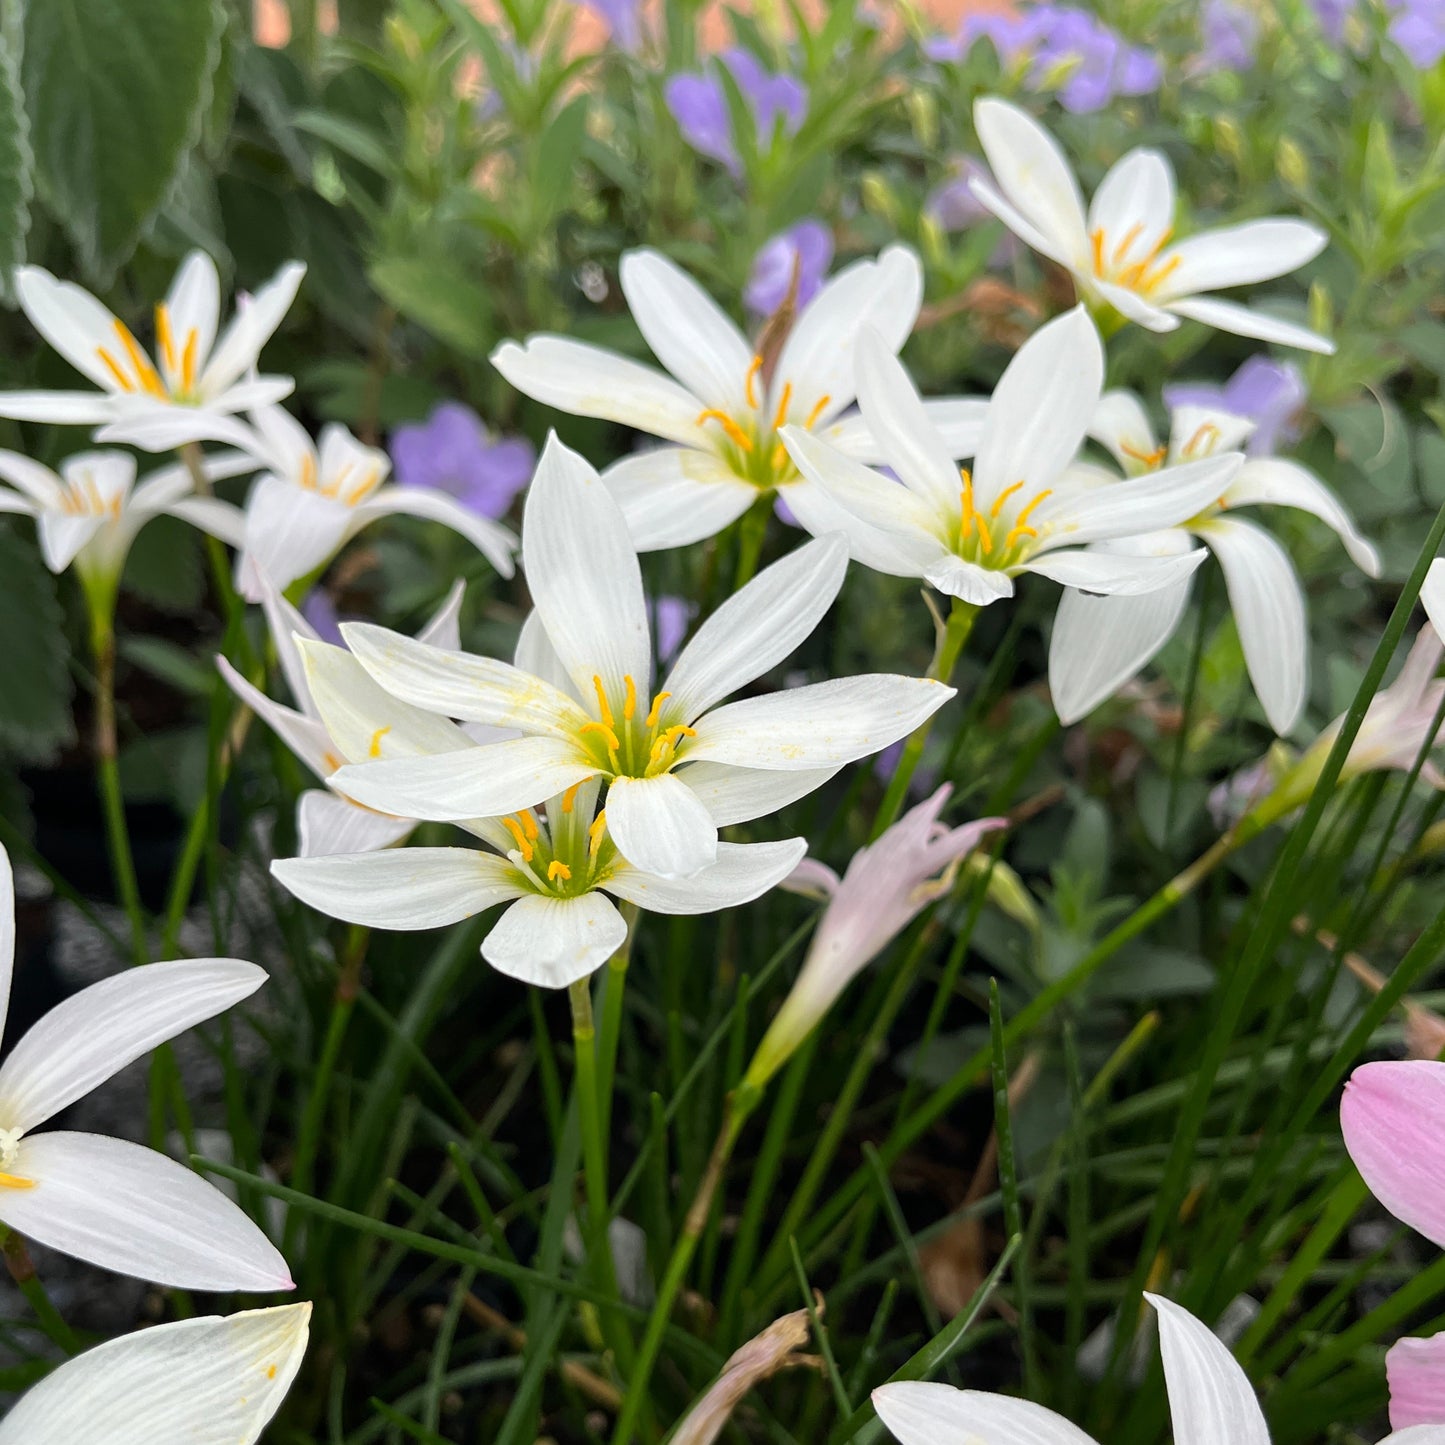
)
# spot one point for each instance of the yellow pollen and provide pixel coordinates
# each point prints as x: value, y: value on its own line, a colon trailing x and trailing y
x: 1096, y: 240
x: 596, y: 727
x: 817, y: 411
x: 271, y: 1372
x: 529, y: 824
x: 122, y: 380
x: 781, y: 415
x: 629, y: 697
x: 144, y: 370
x: 1199, y: 437
x: 736, y: 434
x: 603, y: 711
x: 1130, y: 236
x: 524, y: 846
x: 984, y: 535
x: 754, y: 367
x: 1150, y: 459
x: 1015, y: 532
x: 570, y: 797
x: 1033, y: 506
x: 14, y: 1181
x: 163, y: 335
x: 595, y: 832
x: 374, y: 751
x: 558, y: 869
x: 657, y: 702
x: 1003, y: 496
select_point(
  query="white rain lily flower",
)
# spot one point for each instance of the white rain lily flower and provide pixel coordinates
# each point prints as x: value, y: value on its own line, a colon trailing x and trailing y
x: 192, y: 370
x: 1099, y: 643
x: 1121, y: 253
x: 1432, y: 596
x: 1210, y: 1398
x: 311, y: 498
x: 108, y: 1201
x: 327, y: 822
x: 886, y: 885
x: 207, y: 1381
x: 677, y: 765
x: 721, y: 413
x: 90, y: 511
x: 1022, y: 509
x: 554, y: 868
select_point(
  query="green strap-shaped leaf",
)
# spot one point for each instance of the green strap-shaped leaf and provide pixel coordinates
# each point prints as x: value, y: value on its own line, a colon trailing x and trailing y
x: 116, y: 93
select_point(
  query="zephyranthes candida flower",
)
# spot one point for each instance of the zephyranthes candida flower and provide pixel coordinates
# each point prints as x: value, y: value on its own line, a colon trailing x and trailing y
x: 192, y: 369
x: 1022, y: 508
x: 725, y: 411
x: 206, y: 1381
x: 105, y: 1200
x: 1101, y: 642
x: 677, y: 765
x: 1123, y: 253
x: 1210, y: 1399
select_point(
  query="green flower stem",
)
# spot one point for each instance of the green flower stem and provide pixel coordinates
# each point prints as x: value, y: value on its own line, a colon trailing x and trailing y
x: 951, y: 640
x: 611, y: 1032
x: 751, y: 531
x: 740, y: 1104
x: 22, y: 1271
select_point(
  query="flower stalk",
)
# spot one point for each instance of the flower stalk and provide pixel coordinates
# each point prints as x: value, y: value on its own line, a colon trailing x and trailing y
x: 22, y: 1271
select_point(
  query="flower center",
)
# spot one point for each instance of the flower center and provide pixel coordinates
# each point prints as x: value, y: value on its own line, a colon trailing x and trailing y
x: 131, y: 368
x: 989, y: 538
x: 180, y: 363
x: 749, y: 443
x: 1118, y: 265
x: 83, y: 497
x: 341, y: 486
x: 9, y: 1149
x: 624, y: 744
x: 562, y: 857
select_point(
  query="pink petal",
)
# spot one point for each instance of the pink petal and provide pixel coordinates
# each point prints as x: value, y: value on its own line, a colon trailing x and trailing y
x: 1416, y: 1372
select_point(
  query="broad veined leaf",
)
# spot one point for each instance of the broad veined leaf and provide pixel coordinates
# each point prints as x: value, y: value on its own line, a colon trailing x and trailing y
x: 35, y: 718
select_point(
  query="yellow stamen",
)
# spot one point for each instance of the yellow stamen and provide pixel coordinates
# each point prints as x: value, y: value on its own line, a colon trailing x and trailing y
x: 529, y: 824
x: 754, y: 367
x: 188, y: 363
x: 984, y: 535
x: 332, y: 761
x: 374, y: 751
x: 1033, y: 506
x: 308, y: 473
x: 610, y: 737
x: 603, y: 710
x: 122, y: 380
x: 1020, y: 527
x: 361, y: 489
x: 570, y: 797
x: 777, y: 456
x: 966, y: 503
x: 595, y: 832
x: 14, y: 1181
x: 1130, y: 236
x: 629, y: 697
x: 1150, y: 459
x: 657, y: 702
x: 669, y: 740
x: 1208, y: 429
x: 736, y: 434
x: 1003, y: 496
x: 163, y: 335
x: 333, y: 487
x: 817, y: 410
x: 144, y: 370
x: 781, y: 415
x: 1015, y: 533
x: 524, y: 846
x: 1096, y: 240
x: 1162, y: 274
x: 558, y: 869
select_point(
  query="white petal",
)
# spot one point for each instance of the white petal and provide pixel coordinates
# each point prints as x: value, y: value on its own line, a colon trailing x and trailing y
x: 819, y: 510
x: 1210, y: 1397
x: 756, y: 628
x: 1033, y: 174
x: 346, y: 465
x: 288, y: 628
x: 1240, y: 255
x: 158, y: 426
x: 1193, y: 427
x: 1278, y: 482
x: 16, y: 505
x: 495, y: 542
x: 1416, y: 1435
x: 958, y: 421
x: 1070, y: 255
x: 461, y: 684
x: 536, y: 655
x: 1244, y: 321
x: 1134, y: 203
x: 1041, y: 408
x: 305, y: 736
x: 251, y: 328
x: 1113, y: 574
x: 743, y: 871
x: 918, y: 1413
x: 553, y: 942
x: 7, y: 935
x: 675, y: 496
x: 480, y: 782
x: 404, y: 889
x: 661, y: 826
x: 1132, y: 305
x: 817, y: 359
x: 823, y: 725
x: 207, y: 1381
x: 255, y: 391
x: 1432, y: 595
x: 1269, y: 610
x: 895, y: 415
x: 444, y: 628
x: 978, y: 586
x: 62, y: 537
x: 95, y: 1033
x: 327, y: 825
x: 738, y: 795
x: 583, y: 574
x: 136, y: 1212
x: 72, y: 321
x: 1121, y: 425
x: 686, y: 329
x: 38, y: 483
x: 212, y: 516
x: 65, y: 408
x: 290, y: 532
x: 588, y: 381
x: 194, y: 304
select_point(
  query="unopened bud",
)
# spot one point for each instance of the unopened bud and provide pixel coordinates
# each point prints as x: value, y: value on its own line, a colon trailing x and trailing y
x: 1228, y: 139
x: 878, y: 197
x: 1290, y: 163
x: 922, y: 108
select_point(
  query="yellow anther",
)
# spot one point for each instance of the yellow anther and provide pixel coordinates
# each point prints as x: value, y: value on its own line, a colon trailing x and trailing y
x: 14, y: 1181
x: 817, y: 411
x: 1130, y: 236
x: 1033, y: 506
x: 144, y: 370
x: 1162, y: 274
x: 781, y: 415
x: 308, y: 473
x: 361, y: 490
x: 558, y: 869
x: 374, y: 751
x: 965, y: 501
x: 1020, y: 527
x: 1096, y: 240
x: 669, y: 740
x: 270, y: 1372
x: 656, y: 708
x: 188, y: 363
x: 984, y: 535
x: 1016, y: 532
x: 629, y: 697
x: 736, y: 434
x: 529, y: 824
x: 603, y: 711
x: 109, y: 362
x: 1207, y: 430
x: 332, y: 761
x: 524, y: 844
x: 1002, y: 497
x: 777, y: 456
x: 754, y: 367
x: 333, y: 487
x: 570, y: 797
x: 1150, y: 459
x: 595, y: 832
x: 596, y: 727
x: 164, y: 338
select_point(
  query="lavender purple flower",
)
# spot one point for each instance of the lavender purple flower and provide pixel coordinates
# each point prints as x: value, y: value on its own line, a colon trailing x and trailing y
x: 1270, y: 393
x: 699, y: 105
x: 809, y: 246
x: 452, y: 452
x: 1230, y: 32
